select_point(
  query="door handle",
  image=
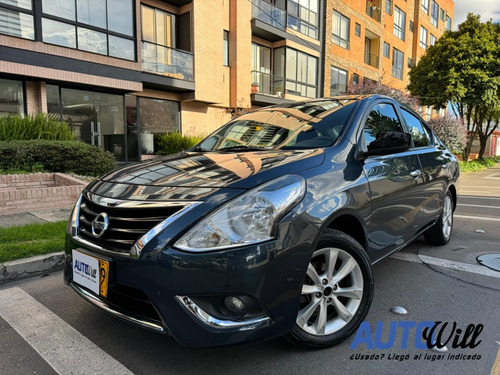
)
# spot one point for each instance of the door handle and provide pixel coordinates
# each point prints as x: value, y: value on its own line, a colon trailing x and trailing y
x: 416, y: 173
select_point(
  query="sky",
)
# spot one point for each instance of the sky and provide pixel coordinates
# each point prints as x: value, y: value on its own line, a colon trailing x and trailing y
x: 488, y: 9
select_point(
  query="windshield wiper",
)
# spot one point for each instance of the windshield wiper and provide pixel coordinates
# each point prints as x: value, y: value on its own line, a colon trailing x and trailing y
x: 242, y: 148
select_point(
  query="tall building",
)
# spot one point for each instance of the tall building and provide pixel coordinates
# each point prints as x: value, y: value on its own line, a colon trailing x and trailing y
x: 121, y: 72
x: 379, y: 40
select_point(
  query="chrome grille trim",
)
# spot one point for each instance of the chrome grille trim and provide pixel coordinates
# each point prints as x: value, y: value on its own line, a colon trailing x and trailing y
x: 129, y: 233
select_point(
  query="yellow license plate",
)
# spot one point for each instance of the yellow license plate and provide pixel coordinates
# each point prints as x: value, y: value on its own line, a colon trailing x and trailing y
x: 91, y: 272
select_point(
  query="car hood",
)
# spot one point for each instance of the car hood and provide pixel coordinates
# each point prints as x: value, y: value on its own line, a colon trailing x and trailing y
x: 193, y: 175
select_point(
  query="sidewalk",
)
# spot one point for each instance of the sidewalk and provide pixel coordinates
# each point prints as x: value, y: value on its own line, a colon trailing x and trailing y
x: 484, y: 183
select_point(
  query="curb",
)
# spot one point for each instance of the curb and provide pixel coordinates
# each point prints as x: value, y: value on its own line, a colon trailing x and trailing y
x: 29, y: 267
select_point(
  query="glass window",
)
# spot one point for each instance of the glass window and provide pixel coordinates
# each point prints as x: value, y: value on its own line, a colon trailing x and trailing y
x: 226, y: 48
x: 355, y: 79
x: 399, y: 23
x: 447, y: 23
x: 55, y: 32
x: 388, y: 6
x: 60, y: 8
x: 120, y: 16
x: 340, y: 29
x: 303, y: 16
x: 434, y: 13
x: 420, y: 136
x: 121, y: 48
x: 92, y: 12
x: 382, y: 118
x: 387, y: 50
x: 423, y: 37
x: 432, y: 40
x: 425, y: 6
x: 92, y: 41
x: 301, y: 71
x: 53, y: 101
x: 11, y: 97
x: 411, y: 26
x: 397, y: 63
x: 442, y: 14
x: 338, y: 81
x: 357, y: 29
x: 16, y: 24
x: 25, y: 4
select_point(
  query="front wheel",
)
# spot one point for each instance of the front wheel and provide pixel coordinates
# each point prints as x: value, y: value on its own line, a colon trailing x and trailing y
x: 336, y: 294
x: 440, y: 233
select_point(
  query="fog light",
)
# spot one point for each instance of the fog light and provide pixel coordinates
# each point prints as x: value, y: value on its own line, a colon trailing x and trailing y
x: 235, y: 306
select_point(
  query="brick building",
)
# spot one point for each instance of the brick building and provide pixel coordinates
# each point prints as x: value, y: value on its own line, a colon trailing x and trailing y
x: 121, y: 71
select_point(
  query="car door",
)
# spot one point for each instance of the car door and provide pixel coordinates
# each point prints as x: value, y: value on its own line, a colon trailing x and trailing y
x: 393, y: 184
x: 435, y: 161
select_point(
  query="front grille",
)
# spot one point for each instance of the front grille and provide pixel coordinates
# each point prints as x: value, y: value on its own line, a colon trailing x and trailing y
x: 126, y: 224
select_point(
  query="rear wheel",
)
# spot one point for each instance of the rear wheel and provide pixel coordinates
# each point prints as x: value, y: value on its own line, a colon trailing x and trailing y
x: 336, y: 294
x: 440, y: 233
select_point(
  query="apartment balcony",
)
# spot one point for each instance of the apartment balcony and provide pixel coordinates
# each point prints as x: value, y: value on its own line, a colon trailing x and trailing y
x: 373, y: 10
x: 267, y: 89
x: 371, y: 59
x: 174, y: 66
x: 268, y: 21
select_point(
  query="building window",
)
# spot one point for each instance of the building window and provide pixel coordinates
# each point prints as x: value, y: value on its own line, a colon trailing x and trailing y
x: 105, y: 28
x: 226, y: 48
x: 411, y: 26
x: 16, y: 19
x: 428, y: 113
x: 399, y: 23
x: 397, y: 63
x: 338, y: 81
x: 340, y: 29
x: 423, y: 37
x: 425, y: 6
x: 388, y: 6
x: 11, y: 97
x: 387, y: 50
x: 263, y: 80
x: 303, y: 16
x: 432, y: 40
x: 434, y: 13
x: 442, y: 14
x: 447, y: 24
x: 355, y: 79
x: 357, y: 29
x: 299, y: 70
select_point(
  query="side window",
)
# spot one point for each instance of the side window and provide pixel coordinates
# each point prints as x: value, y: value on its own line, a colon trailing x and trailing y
x: 382, y: 118
x: 419, y: 134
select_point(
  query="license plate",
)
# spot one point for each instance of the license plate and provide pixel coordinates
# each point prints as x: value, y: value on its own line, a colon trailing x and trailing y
x: 90, y: 272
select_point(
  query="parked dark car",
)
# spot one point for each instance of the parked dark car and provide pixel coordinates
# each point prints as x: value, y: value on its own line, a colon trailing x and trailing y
x: 268, y: 227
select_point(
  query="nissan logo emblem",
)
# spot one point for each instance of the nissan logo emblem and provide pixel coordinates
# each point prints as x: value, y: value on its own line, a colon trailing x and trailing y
x: 100, y: 224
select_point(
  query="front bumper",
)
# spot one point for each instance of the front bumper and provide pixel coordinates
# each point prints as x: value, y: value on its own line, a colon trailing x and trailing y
x: 179, y: 293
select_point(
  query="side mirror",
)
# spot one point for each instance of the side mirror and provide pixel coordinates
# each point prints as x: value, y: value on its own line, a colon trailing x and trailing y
x: 389, y: 143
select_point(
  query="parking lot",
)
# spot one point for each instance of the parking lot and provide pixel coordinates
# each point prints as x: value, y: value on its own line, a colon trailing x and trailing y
x: 47, y: 329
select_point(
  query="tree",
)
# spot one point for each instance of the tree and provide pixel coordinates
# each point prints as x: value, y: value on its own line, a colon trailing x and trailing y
x: 463, y: 68
x: 374, y: 87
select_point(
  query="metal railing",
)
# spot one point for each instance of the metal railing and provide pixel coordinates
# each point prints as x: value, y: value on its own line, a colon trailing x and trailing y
x: 167, y: 61
x: 269, y: 13
x: 267, y: 84
x: 373, y: 10
x: 371, y: 59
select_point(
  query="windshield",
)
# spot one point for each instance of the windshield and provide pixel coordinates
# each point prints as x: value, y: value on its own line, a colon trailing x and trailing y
x: 301, y: 126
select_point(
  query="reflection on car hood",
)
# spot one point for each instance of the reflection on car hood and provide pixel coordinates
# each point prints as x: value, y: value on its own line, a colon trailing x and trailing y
x: 210, y: 169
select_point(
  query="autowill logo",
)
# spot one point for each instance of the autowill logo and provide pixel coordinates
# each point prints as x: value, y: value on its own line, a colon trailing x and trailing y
x: 427, y: 335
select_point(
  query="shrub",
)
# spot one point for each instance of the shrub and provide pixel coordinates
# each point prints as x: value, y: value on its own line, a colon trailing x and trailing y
x: 55, y: 156
x: 451, y: 131
x: 40, y: 126
x: 172, y: 143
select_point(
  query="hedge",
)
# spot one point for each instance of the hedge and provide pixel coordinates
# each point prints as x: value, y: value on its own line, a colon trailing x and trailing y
x: 55, y: 156
x: 40, y: 126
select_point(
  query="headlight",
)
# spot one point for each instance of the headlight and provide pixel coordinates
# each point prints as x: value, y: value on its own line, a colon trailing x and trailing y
x: 247, y: 219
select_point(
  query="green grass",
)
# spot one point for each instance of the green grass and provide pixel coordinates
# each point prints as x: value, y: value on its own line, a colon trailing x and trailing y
x: 478, y: 164
x: 32, y: 239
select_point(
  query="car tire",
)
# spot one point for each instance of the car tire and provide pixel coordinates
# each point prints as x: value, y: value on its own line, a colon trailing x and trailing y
x: 440, y: 233
x: 336, y: 294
